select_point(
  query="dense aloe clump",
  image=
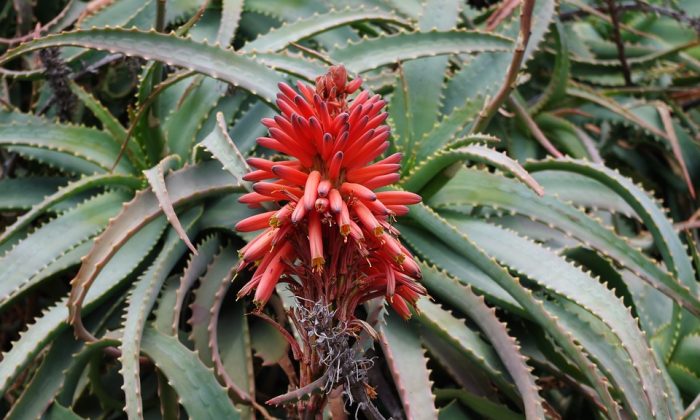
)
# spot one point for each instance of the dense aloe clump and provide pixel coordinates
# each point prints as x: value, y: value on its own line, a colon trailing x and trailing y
x: 402, y: 208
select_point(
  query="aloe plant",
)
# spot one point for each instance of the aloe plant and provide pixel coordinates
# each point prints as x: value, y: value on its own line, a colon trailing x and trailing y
x: 554, y: 239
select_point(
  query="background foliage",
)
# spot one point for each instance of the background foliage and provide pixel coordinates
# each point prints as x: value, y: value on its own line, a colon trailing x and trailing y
x: 556, y: 236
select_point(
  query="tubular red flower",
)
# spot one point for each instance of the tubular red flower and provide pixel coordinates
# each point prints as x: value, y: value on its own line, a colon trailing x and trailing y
x: 257, y: 176
x: 398, y: 197
x: 382, y: 180
x: 367, y: 219
x: 253, y: 223
x: 324, y: 188
x: 332, y: 236
x: 399, y: 305
x: 290, y: 174
x: 316, y: 241
x: 271, y: 274
x: 344, y: 219
x: 311, y: 189
x: 358, y: 190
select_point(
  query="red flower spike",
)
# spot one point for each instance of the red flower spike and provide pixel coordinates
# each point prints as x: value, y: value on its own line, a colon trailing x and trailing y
x: 332, y: 236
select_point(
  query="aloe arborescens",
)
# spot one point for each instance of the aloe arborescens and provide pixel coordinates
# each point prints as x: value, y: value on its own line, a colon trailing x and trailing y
x: 331, y: 239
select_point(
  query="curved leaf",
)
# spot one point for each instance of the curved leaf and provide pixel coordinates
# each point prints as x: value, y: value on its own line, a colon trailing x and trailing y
x: 53, y: 320
x: 196, y: 266
x: 48, y: 379
x: 371, y: 53
x: 156, y: 178
x: 666, y: 238
x: 205, y: 308
x: 422, y: 79
x: 109, y: 122
x: 506, y: 346
x: 93, y: 146
x: 447, y: 130
x: 466, y: 247
x: 213, y: 61
x: 288, y: 33
x: 219, y: 272
x: 556, y: 88
x: 193, y: 109
x: 558, y: 276
x: 142, y: 297
x: 478, y: 77
x: 467, y: 342
x: 230, y: 17
x: 62, y: 194
x: 402, y: 348
x: 582, y: 191
x: 424, y: 172
x: 23, y: 193
x: 21, y: 265
x: 473, y: 187
x: 199, y: 392
x: 220, y: 145
x: 482, y: 406
x: 63, y: 162
x: 294, y: 64
x: 188, y: 184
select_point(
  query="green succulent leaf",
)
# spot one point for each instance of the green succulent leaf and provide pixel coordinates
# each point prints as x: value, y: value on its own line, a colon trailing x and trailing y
x: 222, y: 147
x: 196, y: 266
x: 667, y: 240
x: 23, y: 193
x: 95, y: 148
x: 372, y: 53
x: 466, y: 247
x: 187, y: 184
x: 193, y: 109
x: 402, y: 347
x: 48, y: 379
x: 556, y: 88
x: 156, y: 178
x: 424, y: 172
x: 212, y: 286
x: 141, y: 300
x: 423, y: 78
x: 230, y: 18
x: 289, y: 33
x: 474, y: 187
x: 560, y: 277
x: 213, y: 61
x: 505, y: 346
x: 482, y: 406
x: 53, y: 320
x: 64, y: 193
x: 199, y: 392
x: 22, y: 265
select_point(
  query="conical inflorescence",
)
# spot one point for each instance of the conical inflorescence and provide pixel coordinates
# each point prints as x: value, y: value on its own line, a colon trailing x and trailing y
x: 330, y: 235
